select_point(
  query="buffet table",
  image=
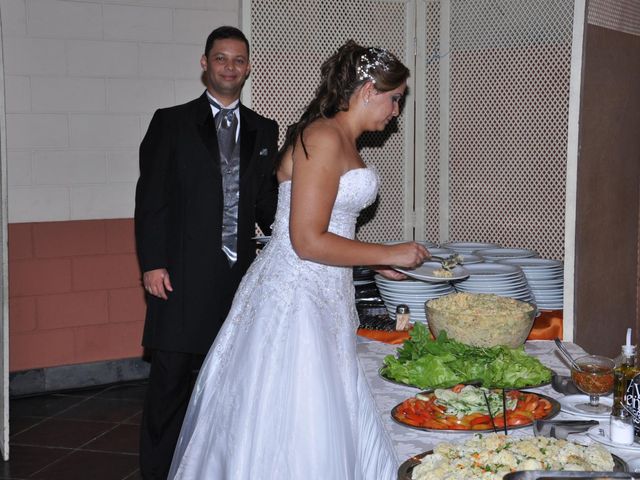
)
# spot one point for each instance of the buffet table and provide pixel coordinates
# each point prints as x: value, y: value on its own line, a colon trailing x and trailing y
x: 408, y: 442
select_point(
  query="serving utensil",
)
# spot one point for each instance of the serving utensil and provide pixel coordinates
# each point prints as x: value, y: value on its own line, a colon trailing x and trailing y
x: 448, y: 263
x: 566, y: 354
x: 563, y: 384
x: 493, y: 423
x: 504, y: 411
x: 561, y: 428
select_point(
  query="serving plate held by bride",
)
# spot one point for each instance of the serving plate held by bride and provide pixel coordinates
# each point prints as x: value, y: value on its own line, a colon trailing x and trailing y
x: 427, y: 271
x: 405, y: 472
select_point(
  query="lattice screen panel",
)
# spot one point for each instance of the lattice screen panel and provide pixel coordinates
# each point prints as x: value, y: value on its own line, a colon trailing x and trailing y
x: 289, y: 41
x: 432, y: 121
x: 509, y: 66
x: 621, y: 15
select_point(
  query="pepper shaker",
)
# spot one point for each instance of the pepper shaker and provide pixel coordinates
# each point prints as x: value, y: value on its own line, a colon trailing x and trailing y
x: 402, y: 317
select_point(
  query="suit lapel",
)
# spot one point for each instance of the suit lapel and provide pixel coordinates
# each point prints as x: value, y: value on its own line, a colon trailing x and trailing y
x: 248, y: 134
x: 207, y: 129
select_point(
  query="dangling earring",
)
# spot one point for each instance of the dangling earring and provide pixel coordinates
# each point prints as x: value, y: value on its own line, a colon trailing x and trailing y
x: 366, y: 102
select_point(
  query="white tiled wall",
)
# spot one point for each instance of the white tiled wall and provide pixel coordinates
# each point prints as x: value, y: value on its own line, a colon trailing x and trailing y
x: 82, y: 80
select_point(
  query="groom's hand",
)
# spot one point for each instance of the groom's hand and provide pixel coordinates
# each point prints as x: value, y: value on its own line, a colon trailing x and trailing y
x: 157, y: 282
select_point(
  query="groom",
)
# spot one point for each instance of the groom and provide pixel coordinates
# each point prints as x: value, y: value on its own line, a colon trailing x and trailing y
x: 206, y: 178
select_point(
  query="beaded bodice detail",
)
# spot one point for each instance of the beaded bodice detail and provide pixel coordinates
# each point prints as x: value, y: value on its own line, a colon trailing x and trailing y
x: 357, y: 190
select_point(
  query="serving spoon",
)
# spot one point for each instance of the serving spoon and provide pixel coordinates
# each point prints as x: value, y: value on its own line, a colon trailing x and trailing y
x: 448, y: 262
x: 566, y: 354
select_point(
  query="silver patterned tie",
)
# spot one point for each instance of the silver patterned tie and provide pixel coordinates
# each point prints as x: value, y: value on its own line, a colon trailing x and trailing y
x: 226, y: 123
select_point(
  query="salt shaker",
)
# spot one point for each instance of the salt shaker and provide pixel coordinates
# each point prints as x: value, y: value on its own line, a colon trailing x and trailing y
x: 402, y: 317
x: 621, y: 428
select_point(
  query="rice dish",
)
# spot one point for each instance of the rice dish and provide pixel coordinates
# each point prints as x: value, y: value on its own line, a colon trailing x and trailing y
x: 490, y: 457
x: 481, y: 319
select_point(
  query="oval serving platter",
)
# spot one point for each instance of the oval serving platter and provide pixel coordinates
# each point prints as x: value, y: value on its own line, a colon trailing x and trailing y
x: 405, y: 471
x: 555, y: 409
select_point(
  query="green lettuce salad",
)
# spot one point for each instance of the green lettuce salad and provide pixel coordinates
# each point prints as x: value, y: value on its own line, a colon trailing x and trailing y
x: 440, y: 363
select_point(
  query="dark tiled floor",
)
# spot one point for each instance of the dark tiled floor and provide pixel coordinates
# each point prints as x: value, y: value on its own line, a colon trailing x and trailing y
x: 81, y: 434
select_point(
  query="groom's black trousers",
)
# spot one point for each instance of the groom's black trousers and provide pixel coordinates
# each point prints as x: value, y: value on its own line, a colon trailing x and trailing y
x: 171, y: 381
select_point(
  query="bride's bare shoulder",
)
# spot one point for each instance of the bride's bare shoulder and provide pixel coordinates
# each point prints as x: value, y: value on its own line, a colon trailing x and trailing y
x: 321, y: 131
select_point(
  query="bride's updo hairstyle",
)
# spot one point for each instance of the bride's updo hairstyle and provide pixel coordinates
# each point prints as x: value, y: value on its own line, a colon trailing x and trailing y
x: 341, y: 75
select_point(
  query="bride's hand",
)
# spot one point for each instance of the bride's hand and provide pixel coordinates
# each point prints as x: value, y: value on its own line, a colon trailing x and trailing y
x: 390, y: 273
x: 407, y: 255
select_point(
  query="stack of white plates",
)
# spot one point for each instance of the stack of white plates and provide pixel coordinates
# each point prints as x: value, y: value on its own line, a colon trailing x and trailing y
x: 495, y: 254
x: 412, y: 293
x: 468, y: 247
x: 545, y: 278
x: 500, y: 279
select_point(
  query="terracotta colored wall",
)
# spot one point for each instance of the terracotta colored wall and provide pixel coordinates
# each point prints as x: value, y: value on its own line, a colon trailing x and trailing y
x: 74, y: 293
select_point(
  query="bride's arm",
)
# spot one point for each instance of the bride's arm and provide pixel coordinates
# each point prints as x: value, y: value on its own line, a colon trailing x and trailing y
x: 314, y: 189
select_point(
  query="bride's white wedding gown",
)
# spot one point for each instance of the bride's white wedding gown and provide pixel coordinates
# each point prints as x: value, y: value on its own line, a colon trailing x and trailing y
x: 281, y: 394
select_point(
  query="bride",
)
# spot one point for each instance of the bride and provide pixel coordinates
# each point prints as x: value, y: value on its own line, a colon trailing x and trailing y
x: 281, y: 394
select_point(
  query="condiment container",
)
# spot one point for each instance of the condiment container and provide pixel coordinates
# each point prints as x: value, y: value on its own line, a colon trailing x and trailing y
x: 621, y: 428
x: 402, y: 317
x: 626, y: 390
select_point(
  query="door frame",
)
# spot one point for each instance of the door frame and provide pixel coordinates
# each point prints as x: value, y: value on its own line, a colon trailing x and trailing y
x: 4, y: 261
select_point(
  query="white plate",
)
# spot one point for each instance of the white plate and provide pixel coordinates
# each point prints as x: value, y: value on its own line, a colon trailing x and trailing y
x: 476, y: 282
x: 600, y: 433
x: 502, y: 253
x: 534, y: 263
x: 427, y: 269
x: 547, y: 288
x: 412, y: 289
x: 426, y: 243
x: 415, y: 295
x: 469, y: 258
x: 441, y: 252
x: 502, y: 292
x: 569, y: 402
x: 469, y: 246
x: 494, y: 270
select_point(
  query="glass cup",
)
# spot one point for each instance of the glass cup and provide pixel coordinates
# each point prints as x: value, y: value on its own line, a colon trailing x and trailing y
x: 594, y: 377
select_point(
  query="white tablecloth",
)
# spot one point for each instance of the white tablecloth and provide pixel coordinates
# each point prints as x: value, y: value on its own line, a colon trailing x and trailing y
x: 408, y: 442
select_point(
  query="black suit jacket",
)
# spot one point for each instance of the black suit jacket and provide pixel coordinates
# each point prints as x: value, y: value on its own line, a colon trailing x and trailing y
x: 178, y: 219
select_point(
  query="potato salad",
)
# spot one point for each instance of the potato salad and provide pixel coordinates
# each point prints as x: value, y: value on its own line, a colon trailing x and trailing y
x: 490, y: 457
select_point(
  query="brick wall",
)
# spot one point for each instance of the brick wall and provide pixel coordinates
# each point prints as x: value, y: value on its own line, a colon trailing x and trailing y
x: 74, y: 293
x: 83, y: 78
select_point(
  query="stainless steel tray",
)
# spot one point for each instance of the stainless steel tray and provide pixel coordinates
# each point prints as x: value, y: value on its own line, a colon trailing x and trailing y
x: 620, y: 466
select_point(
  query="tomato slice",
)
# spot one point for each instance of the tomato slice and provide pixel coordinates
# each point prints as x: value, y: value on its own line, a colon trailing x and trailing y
x: 515, y: 419
x: 483, y: 418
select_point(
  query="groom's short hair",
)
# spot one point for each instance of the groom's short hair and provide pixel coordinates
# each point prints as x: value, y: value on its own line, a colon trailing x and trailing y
x: 222, y: 33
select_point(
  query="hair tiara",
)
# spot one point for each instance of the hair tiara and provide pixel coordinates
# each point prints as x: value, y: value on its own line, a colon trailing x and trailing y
x: 370, y: 61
